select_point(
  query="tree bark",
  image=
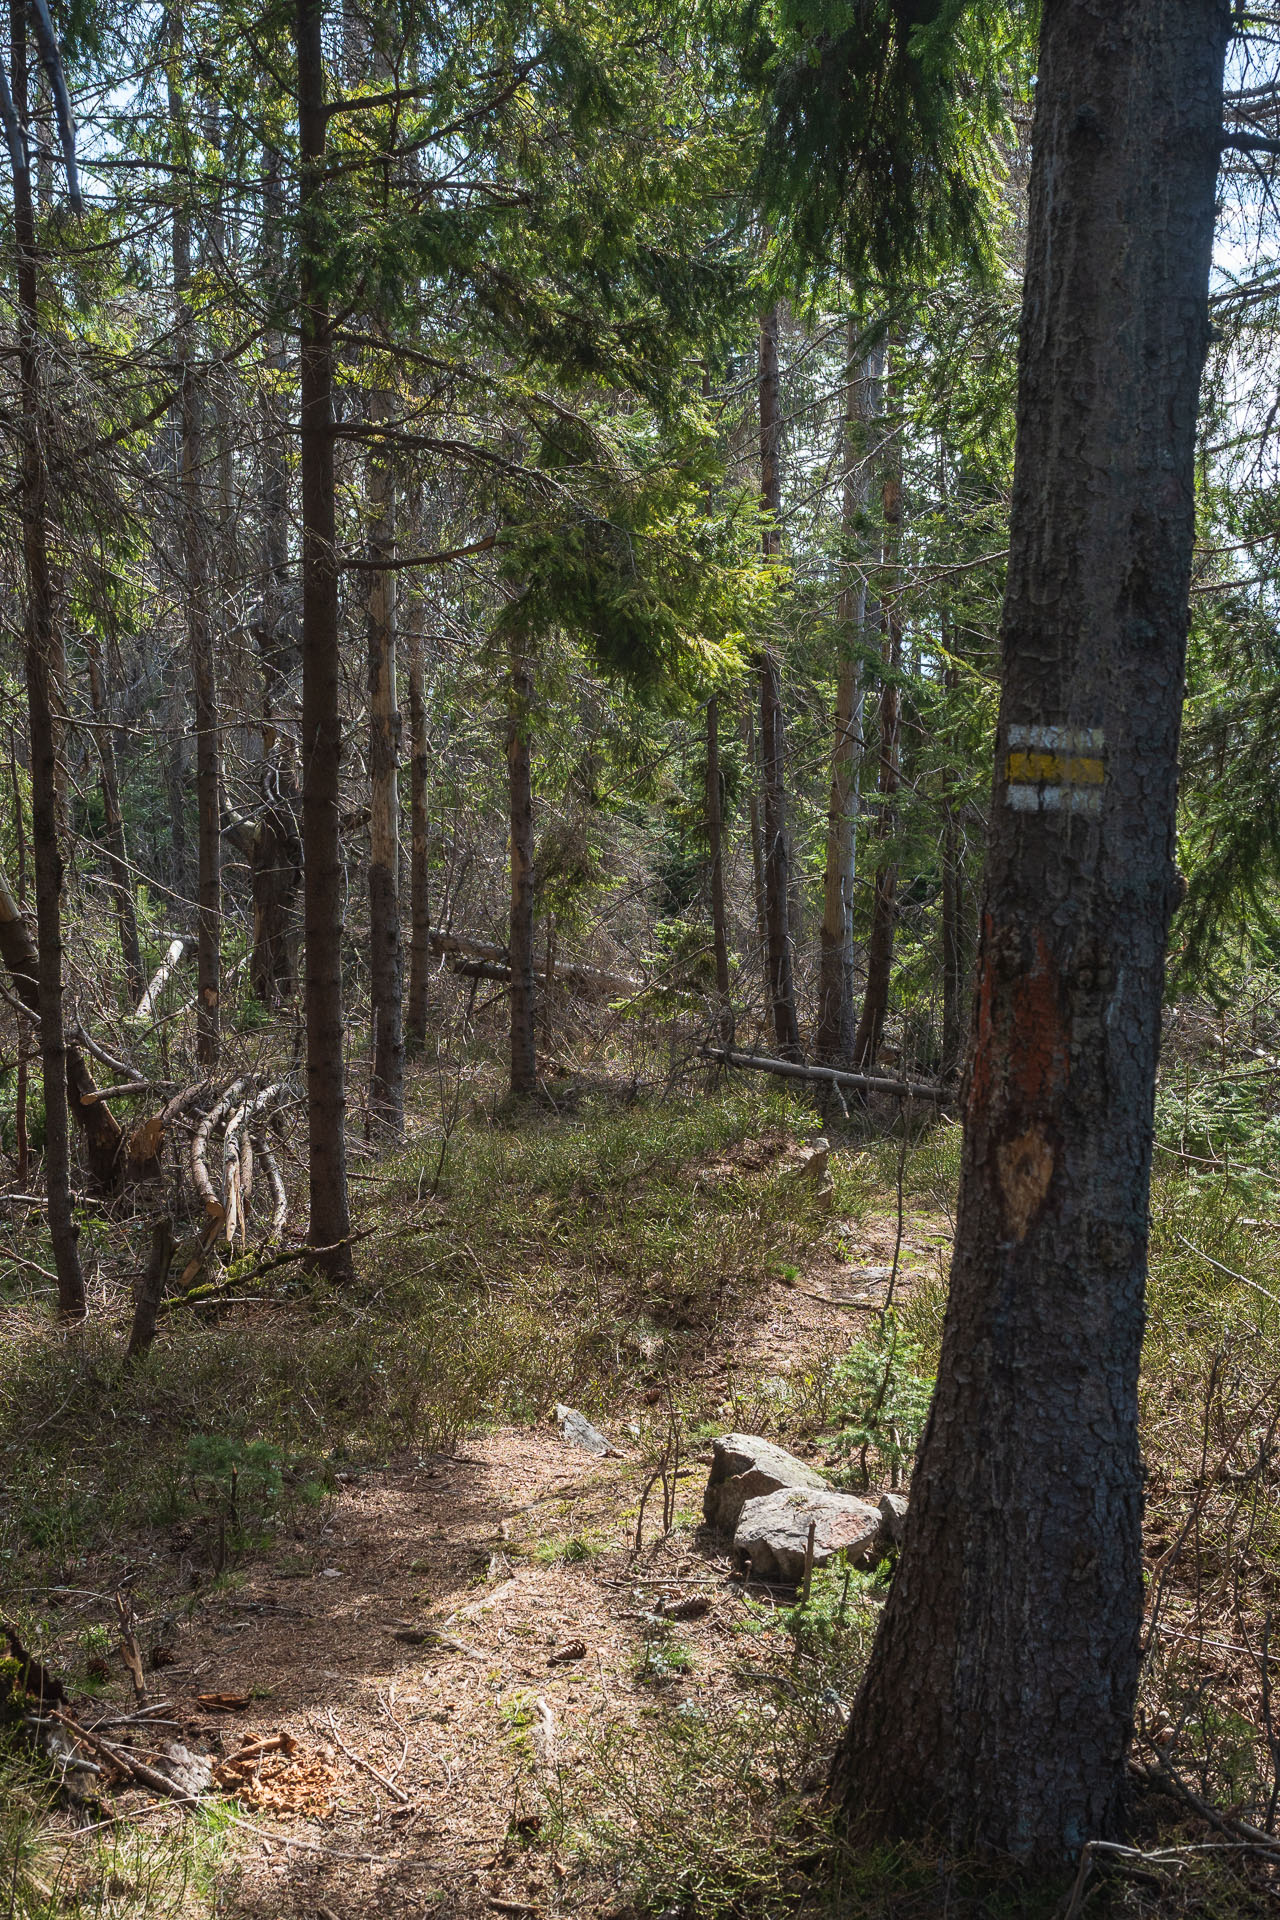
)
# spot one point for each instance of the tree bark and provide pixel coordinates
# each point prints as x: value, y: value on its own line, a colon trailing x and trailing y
x: 752, y: 759
x: 276, y: 858
x: 199, y: 625
x: 418, y: 1009
x: 782, y: 997
x: 834, y: 1040
x: 42, y: 654
x: 955, y: 943
x: 386, y: 962
x: 998, y: 1702
x: 116, y: 850
x: 149, y: 1296
x: 274, y: 849
x: 524, y: 1058
x: 16, y: 908
x: 869, y: 1037
x: 330, y: 1222
x: 715, y: 843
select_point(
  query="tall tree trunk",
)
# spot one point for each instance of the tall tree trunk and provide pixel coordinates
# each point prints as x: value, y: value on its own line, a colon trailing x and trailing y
x: 275, y: 852
x: 524, y: 1058
x: 199, y: 625
x: 752, y: 759
x: 954, y: 932
x: 417, y: 1012
x: 715, y: 844
x: 330, y: 1225
x: 834, y: 1040
x: 176, y: 769
x: 386, y: 949
x: 117, y: 852
x: 44, y: 695
x: 782, y: 997
x: 20, y: 1091
x: 274, y: 469
x: 386, y: 964
x: 999, y: 1698
x: 869, y: 1037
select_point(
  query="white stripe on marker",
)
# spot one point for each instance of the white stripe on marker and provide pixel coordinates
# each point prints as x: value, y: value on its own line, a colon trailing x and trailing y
x: 1058, y: 739
x: 1055, y: 799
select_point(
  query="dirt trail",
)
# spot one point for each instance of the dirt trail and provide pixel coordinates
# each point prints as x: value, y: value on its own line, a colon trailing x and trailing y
x: 443, y: 1634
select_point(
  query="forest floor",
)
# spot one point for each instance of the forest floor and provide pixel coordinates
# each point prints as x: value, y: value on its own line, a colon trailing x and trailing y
x: 354, y: 1522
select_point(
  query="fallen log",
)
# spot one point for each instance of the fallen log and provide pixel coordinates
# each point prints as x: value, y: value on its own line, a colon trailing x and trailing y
x: 481, y: 960
x: 827, y: 1076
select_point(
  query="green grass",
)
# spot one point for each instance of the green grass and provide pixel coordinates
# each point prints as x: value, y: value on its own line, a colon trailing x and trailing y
x: 594, y: 1257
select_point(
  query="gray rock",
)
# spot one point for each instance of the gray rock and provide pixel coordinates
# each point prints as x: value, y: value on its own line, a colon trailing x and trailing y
x: 773, y: 1532
x: 817, y: 1162
x: 576, y: 1427
x: 743, y: 1467
x: 893, y: 1511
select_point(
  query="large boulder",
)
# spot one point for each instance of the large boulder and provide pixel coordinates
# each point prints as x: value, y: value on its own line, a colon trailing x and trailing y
x: 743, y: 1468
x: 773, y: 1532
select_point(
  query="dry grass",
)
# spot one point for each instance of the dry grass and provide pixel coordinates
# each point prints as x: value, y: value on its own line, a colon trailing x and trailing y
x: 647, y: 1262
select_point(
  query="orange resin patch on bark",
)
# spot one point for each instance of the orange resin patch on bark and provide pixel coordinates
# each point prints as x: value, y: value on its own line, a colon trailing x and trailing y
x: 1037, y: 1037
x: 984, y: 1029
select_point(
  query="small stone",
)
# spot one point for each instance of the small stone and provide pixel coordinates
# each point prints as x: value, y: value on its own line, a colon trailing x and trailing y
x: 576, y: 1427
x: 893, y: 1511
x: 773, y: 1532
x: 743, y: 1466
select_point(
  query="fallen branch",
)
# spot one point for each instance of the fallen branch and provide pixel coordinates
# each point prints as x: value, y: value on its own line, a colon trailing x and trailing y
x: 388, y: 1786
x: 484, y: 961
x: 213, y: 1205
x: 827, y: 1076
x: 179, y: 947
x: 125, y: 1762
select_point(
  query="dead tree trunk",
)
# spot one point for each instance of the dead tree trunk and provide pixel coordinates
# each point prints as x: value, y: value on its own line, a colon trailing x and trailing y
x: 386, y: 960
x: 419, y: 903
x: 752, y: 759
x: 782, y: 997
x: 274, y: 849
x: 998, y: 1703
x: 834, y: 1041
x: 117, y: 852
x: 715, y: 844
x: 44, y: 698
x: 884, y: 904
x: 199, y: 625
x: 524, y: 1058
x: 16, y: 911
x: 330, y: 1223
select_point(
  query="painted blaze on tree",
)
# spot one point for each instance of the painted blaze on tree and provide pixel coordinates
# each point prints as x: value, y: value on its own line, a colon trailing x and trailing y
x: 997, y: 1706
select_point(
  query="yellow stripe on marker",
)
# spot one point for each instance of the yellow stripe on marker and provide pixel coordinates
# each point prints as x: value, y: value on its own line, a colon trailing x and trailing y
x: 1061, y: 770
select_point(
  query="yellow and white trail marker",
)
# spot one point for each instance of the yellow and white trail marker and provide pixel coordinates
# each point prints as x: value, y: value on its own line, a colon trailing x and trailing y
x: 1055, y: 769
